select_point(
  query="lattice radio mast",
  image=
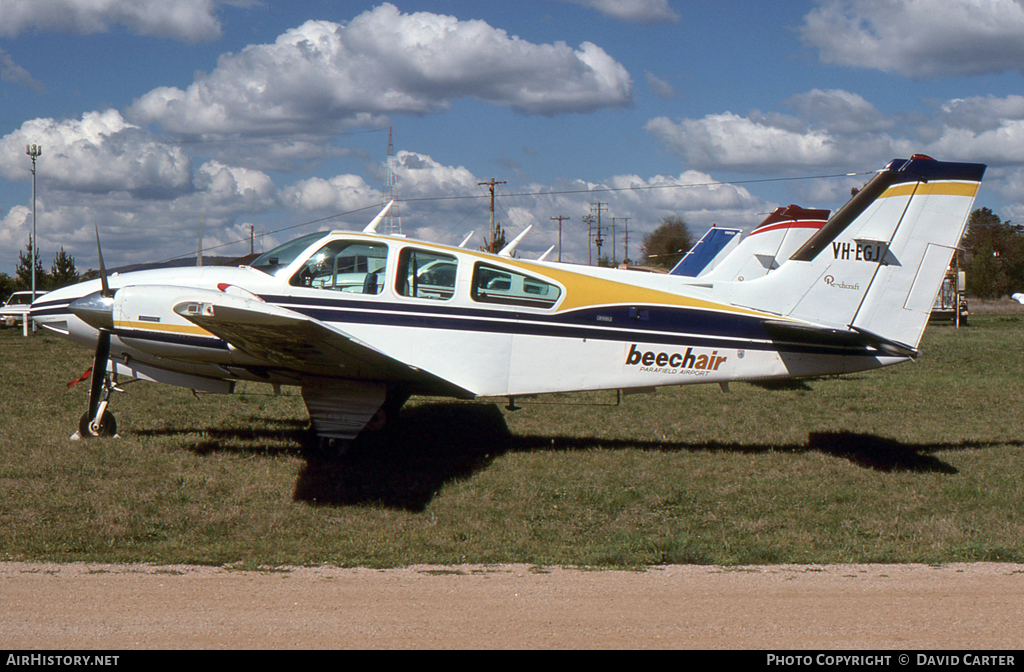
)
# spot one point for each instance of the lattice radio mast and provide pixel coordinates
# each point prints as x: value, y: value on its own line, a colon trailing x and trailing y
x: 393, y: 220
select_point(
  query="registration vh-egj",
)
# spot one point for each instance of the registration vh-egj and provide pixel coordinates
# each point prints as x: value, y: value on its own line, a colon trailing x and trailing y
x: 361, y: 321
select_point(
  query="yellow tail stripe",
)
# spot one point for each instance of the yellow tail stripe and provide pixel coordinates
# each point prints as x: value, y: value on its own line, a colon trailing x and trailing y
x: 969, y: 189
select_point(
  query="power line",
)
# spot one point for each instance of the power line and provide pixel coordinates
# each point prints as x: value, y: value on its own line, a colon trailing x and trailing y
x: 596, y: 190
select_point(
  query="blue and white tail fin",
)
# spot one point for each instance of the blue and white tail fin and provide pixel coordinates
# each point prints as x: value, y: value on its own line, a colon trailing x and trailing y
x: 708, y: 252
x: 769, y: 245
x: 876, y: 266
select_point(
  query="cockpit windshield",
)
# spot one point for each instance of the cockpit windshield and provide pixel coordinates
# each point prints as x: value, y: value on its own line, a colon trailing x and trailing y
x: 279, y: 257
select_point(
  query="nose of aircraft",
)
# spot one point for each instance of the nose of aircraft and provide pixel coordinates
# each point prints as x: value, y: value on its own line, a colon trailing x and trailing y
x: 95, y: 310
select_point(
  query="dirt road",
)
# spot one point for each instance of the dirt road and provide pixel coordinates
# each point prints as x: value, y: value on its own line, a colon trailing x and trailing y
x: 898, y: 607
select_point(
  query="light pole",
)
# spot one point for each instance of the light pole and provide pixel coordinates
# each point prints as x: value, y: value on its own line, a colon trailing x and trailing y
x: 35, y: 151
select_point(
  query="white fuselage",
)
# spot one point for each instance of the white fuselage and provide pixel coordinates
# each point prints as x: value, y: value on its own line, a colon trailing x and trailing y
x: 495, y: 326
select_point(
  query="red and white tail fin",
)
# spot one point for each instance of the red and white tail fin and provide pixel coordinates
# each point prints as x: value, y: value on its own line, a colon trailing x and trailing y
x: 769, y: 245
x: 876, y: 266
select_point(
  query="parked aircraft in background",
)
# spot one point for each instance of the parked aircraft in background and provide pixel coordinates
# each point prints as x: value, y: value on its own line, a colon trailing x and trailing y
x: 361, y: 321
x: 708, y: 252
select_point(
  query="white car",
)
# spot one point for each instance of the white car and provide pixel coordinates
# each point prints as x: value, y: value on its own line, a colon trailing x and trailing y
x: 16, y: 307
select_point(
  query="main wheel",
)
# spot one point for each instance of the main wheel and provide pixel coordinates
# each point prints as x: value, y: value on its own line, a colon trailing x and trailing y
x: 107, y: 426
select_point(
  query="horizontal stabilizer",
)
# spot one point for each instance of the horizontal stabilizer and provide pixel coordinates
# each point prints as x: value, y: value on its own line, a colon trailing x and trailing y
x: 856, y: 339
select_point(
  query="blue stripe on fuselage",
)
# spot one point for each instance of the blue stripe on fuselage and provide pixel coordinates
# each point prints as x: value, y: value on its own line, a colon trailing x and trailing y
x: 649, y: 324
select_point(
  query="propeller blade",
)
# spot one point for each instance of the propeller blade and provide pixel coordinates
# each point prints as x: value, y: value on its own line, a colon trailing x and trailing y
x: 99, y: 372
x: 103, y: 271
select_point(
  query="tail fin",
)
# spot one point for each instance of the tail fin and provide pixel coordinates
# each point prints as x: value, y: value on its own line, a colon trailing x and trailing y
x: 708, y: 252
x: 876, y: 266
x: 769, y: 245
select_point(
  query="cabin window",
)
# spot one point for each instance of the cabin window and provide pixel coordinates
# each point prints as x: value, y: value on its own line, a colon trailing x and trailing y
x: 499, y: 285
x: 345, y: 266
x: 273, y: 261
x: 426, y: 275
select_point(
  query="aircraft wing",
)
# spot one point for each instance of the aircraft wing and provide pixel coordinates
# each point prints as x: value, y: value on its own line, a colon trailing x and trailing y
x: 282, y: 338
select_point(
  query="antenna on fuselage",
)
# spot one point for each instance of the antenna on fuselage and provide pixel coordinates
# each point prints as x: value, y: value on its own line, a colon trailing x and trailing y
x: 511, y: 247
x: 545, y: 255
x: 372, y: 226
x: 466, y: 239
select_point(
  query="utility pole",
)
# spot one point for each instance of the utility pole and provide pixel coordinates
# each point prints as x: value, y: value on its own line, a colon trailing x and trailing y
x: 490, y: 184
x: 560, y: 218
x: 34, y: 151
x: 615, y: 259
x: 599, y: 241
x: 589, y: 220
x: 625, y: 242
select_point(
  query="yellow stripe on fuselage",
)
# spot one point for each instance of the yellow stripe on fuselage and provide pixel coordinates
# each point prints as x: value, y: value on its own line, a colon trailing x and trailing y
x: 587, y: 291
x: 969, y: 189
x: 183, y: 329
x: 581, y: 290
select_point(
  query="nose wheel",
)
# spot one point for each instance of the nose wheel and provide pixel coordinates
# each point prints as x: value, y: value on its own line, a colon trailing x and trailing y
x: 105, y: 426
x: 98, y: 421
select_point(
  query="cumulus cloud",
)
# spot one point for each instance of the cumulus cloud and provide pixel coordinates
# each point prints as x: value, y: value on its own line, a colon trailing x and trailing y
x: 832, y: 129
x: 442, y: 203
x: 840, y: 111
x: 230, y: 184
x: 839, y: 130
x: 982, y: 113
x: 99, y: 152
x: 741, y: 143
x: 15, y: 229
x: 185, y: 20
x: 919, y: 38
x: 341, y: 193
x: 323, y: 75
x: 635, y: 11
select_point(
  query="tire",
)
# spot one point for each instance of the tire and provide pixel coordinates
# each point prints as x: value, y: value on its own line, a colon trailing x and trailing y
x: 107, y: 426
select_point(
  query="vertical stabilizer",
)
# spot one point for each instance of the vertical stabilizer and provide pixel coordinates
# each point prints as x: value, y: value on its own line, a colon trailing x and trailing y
x: 877, y: 264
x: 712, y: 247
x: 769, y: 245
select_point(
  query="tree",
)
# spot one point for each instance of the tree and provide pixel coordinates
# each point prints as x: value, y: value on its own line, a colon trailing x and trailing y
x: 24, y: 269
x: 63, y: 271
x: 498, y: 244
x: 7, y: 286
x: 993, y: 255
x: 668, y: 243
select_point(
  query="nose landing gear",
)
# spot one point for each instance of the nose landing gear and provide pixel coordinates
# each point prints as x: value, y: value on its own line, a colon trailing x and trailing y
x: 98, y: 421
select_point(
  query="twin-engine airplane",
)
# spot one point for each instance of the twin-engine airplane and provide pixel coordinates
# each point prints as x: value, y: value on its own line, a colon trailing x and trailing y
x: 362, y: 321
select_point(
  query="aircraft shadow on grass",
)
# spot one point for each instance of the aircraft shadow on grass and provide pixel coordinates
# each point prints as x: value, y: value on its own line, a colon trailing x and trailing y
x: 435, y: 444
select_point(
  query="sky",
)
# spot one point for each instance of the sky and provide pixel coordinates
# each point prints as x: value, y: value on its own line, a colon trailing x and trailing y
x: 161, y: 119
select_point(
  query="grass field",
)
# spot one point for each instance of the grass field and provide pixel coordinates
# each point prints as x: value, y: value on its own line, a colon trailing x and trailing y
x: 917, y: 463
